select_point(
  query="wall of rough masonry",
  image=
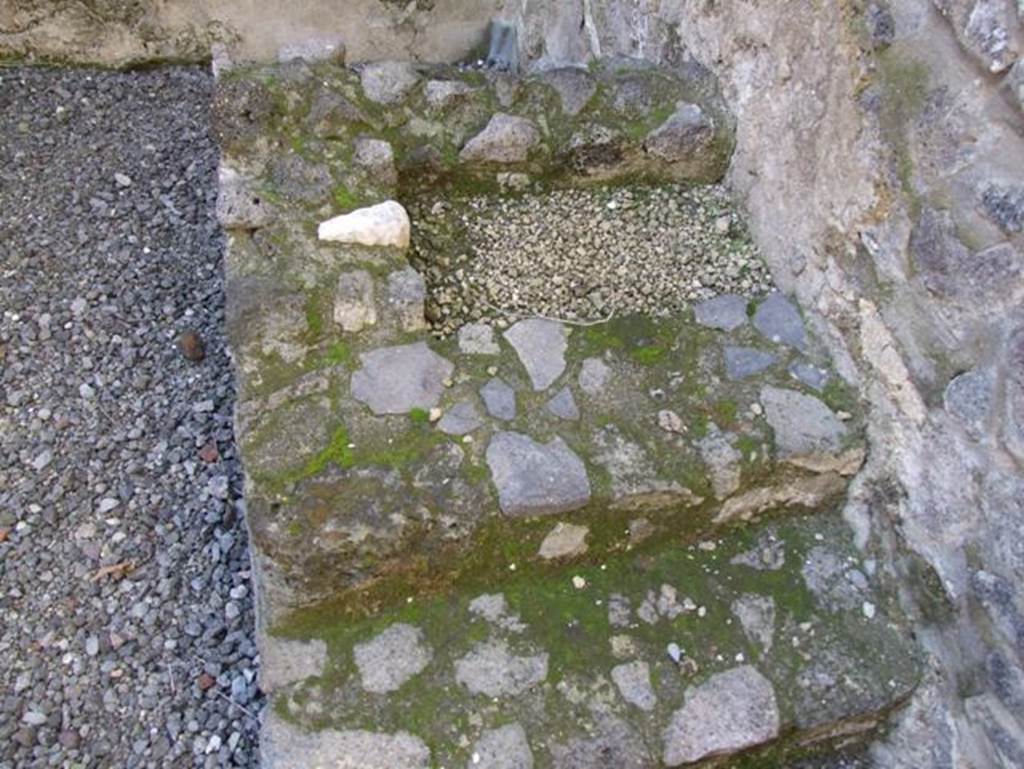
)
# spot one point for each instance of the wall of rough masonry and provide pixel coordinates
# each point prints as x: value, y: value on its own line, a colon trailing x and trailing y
x: 879, y: 152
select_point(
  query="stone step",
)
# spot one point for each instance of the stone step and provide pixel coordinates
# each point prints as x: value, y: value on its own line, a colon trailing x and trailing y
x: 534, y: 542
x: 767, y: 640
x: 416, y: 461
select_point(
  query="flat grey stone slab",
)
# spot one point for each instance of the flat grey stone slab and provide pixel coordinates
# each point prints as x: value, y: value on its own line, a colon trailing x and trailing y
x: 536, y: 478
x: 389, y: 659
x: 461, y: 419
x: 563, y: 405
x: 778, y: 319
x: 478, y: 339
x: 810, y: 375
x: 499, y: 399
x: 743, y: 362
x: 729, y: 712
x: 503, y: 748
x: 492, y: 670
x: 633, y: 680
x: 505, y: 139
x: 802, y: 423
x: 395, y: 380
x: 540, y: 345
x: 726, y: 313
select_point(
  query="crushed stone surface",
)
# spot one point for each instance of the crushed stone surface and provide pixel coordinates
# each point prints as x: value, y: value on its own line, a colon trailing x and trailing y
x: 126, y: 636
x: 582, y: 254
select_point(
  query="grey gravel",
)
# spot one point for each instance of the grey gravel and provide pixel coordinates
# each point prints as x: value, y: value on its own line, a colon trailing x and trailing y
x: 118, y: 563
x: 582, y: 255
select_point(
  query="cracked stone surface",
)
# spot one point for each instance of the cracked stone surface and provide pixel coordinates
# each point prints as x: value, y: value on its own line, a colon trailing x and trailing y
x: 728, y: 712
x: 492, y: 670
x: 395, y: 380
x: 540, y: 345
x: 536, y: 478
x: 388, y: 660
x: 503, y: 748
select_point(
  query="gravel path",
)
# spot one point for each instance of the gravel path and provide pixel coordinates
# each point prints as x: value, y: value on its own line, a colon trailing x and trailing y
x: 583, y: 254
x: 126, y: 624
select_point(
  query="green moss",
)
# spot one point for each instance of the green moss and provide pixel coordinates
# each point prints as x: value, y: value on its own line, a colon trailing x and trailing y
x: 838, y: 396
x: 344, y: 198
x: 725, y: 412
x: 314, y: 317
x: 648, y: 356
x: 419, y: 416
x: 338, y: 353
x: 336, y: 452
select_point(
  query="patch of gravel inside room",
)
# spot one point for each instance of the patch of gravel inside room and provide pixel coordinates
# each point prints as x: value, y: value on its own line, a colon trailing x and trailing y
x: 582, y: 255
x: 127, y: 619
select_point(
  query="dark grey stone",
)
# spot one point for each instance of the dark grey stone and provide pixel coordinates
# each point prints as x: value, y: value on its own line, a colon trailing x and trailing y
x: 499, y: 399
x: 810, y: 375
x: 540, y: 345
x: 461, y: 419
x: 535, y: 478
x: 726, y: 313
x: 778, y: 319
x: 743, y: 362
x: 802, y: 424
x: 395, y: 380
x: 563, y: 405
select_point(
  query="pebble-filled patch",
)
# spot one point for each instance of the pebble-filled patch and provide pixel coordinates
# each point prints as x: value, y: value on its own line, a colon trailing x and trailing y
x: 582, y: 254
x: 126, y: 616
